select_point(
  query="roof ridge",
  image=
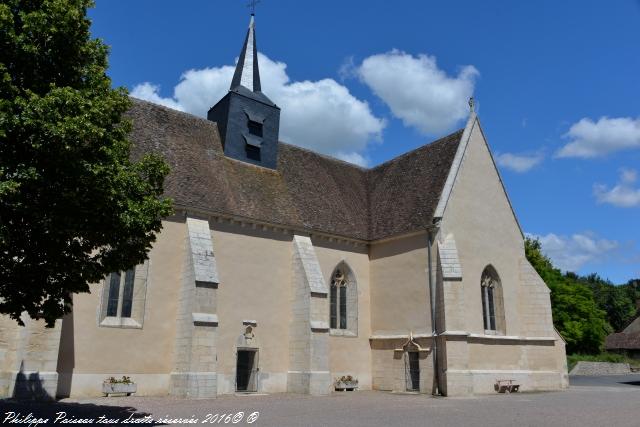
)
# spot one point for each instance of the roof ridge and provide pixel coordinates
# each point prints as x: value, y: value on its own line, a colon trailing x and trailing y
x: 325, y: 156
x: 169, y: 109
x: 421, y: 147
x: 366, y: 169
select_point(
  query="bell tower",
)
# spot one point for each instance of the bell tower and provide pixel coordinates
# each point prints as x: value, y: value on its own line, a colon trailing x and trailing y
x: 248, y: 121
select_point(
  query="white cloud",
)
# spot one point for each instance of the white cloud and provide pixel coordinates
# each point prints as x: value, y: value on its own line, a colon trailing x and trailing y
x: 519, y: 162
x: 628, y: 176
x: 589, y: 139
x: 149, y: 92
x: 418, y: 92
x: 320, y: 115
x: 570, y: 253
x: 624, y: 194
x: 355, y: 158
x: 348, y: 69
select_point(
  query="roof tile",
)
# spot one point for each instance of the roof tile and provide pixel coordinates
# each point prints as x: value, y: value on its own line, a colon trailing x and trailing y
x: 308, y: 190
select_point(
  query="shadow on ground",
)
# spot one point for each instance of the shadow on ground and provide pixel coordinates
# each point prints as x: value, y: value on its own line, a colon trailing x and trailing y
x: 626, y: 380
x: 17, y: 411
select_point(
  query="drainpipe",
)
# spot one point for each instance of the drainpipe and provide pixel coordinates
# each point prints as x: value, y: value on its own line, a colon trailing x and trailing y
x: 431, y: 232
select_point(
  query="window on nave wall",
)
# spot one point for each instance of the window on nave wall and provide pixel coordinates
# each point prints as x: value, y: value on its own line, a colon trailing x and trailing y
x: 492, y: 302
x: 123, y: 298
x: 120, y: 293
x: 343, y: 302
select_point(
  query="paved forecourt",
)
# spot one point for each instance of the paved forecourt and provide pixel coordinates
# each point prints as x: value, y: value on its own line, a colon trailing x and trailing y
x: 611, y: 401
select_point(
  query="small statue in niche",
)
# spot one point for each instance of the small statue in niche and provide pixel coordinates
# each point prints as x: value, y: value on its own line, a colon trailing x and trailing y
x: 248, y: 334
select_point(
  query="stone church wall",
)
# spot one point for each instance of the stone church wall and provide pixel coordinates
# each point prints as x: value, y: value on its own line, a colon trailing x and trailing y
x: 8, y: 356
x: 254, y: 267
x: 92, y: 353
x: 400, y: 306
x: 349, y: 355
x: 480, y: 220
x: 399, y: 286
x: 28, y: 358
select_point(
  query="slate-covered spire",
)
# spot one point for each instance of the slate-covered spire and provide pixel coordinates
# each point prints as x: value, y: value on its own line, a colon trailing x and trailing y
x: 247, y: 73
x: 248, y: 121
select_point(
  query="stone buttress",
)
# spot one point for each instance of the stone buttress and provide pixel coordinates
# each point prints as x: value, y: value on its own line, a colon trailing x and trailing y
x: 195, y: 365
x: 309, y: 340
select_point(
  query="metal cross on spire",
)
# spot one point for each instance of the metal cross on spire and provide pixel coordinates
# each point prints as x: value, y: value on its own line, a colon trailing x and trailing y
x: 252, y: 6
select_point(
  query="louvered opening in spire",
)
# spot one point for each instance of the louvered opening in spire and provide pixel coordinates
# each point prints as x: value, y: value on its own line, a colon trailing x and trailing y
x: 247, y: 73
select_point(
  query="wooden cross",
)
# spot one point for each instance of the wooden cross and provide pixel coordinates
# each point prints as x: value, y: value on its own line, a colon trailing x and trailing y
x: 252, y: 5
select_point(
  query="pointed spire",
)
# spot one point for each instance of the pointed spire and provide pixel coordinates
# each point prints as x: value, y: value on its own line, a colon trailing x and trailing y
x: 247, y: 73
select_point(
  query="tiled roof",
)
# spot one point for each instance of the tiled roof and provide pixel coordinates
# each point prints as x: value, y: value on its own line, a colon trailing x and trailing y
x: 623, y: 341
x: 308, y: 190
x: 628, y: 339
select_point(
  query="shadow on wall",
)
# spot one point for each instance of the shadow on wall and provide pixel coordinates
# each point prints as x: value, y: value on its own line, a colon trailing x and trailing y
x: 32, y: 386
x: 66, y: 357
x: 31, y: 401
x: 29, y: 387
x: 12, y: 411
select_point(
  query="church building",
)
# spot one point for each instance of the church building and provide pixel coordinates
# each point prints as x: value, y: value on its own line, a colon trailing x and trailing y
x: 284, y: 270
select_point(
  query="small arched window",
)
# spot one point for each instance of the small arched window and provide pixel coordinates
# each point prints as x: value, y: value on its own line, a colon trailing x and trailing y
x: 492, y: 311
x: 343, y: 304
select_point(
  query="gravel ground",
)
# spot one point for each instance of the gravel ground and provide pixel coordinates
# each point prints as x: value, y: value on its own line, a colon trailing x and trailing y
x: 595, y: 403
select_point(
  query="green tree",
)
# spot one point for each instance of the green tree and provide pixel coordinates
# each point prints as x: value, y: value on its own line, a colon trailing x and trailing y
x: 614, y: 300
x: 73, y: 206
x: 632, y: 290
x: 575, y: 313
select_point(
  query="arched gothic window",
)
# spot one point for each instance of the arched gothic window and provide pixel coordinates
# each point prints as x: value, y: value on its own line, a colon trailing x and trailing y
x: 492, y: 310
x: 338, y: 299
x: 343, y: 304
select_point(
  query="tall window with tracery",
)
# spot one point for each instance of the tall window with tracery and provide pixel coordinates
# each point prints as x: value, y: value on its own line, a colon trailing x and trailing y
x: 492, y: 315
x: 338, y: 300
x: 343, y: 302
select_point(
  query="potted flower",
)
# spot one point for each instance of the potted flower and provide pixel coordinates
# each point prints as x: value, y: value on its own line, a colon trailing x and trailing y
x: 119, y: 386
x: 346, y: 383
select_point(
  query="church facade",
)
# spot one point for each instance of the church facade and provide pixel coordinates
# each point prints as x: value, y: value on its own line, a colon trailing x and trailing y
x: 283, y: 270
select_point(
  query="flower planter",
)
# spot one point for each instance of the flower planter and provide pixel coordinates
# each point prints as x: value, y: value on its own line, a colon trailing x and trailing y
x: 119, y: 388
x: 346, y: 385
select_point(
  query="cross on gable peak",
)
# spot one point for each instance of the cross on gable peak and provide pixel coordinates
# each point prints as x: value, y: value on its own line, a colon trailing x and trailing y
x: 252, y: 6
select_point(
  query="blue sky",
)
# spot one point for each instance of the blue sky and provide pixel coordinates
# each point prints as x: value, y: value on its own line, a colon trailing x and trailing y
x: 557, y: 89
